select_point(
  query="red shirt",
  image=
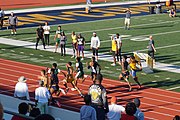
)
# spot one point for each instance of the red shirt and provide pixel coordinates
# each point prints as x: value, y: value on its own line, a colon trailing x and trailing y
x: 17, y: 118
x: 127, y: 117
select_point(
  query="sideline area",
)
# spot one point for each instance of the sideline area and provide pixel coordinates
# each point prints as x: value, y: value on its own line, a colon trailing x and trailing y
x: 105, y: 57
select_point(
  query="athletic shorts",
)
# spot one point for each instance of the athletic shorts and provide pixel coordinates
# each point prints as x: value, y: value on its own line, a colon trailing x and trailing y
x: 80, y: 74
x: 57, y: 40
x: 95, y: 51
x: 125, y: 74
x: 133, y: 73
x: 114, y: 53
x: 80, y: 47
x: 13, y: 26
x: 55, y: 87
x: 127, y: 21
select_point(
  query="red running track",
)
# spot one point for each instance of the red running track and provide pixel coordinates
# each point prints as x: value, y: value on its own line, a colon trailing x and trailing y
x: 156, y: 103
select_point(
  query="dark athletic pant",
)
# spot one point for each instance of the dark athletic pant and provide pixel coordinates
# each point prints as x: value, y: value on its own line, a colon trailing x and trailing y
x: 37, y: 41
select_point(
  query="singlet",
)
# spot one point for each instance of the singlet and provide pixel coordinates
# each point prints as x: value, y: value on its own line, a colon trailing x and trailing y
x: 133, y: 65
x: 74, y: 38
x: 80, y: 66
x: 54, y: 79
x: 80, y: 41
x: 114, y: 45
x: 125, y: 65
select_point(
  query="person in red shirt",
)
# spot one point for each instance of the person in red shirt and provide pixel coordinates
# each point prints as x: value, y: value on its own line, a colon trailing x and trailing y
x: 130, y: 111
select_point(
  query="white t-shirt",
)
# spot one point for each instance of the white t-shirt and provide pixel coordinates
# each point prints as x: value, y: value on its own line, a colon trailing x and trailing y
x: 42, y: 94
x: 46, y: 29
x: 115, y: 111
x: 119, y: 41
x: 21, y: 90
x: 95, y: 42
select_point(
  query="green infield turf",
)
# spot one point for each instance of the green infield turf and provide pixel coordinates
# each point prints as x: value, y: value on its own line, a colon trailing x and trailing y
x: 165, y: 32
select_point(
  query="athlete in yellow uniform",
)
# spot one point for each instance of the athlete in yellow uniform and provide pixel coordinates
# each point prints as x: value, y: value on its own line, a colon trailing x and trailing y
x: 69, y: 78
x: 114, y: 50
x: 133, y: 66
x: 74, y: 43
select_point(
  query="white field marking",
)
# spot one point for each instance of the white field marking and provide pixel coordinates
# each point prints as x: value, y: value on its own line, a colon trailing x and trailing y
x: 168, y: 78
x: 22, y: 52
x: 173, y: 88
x: 118, y: 69
x: 41, y: 55
x: 12, y: 50
x: 140, y: 39
x: 143, y: 74
x: 156, y: 76
x: 3, y: 49
x: 175, y: 63
x: 51, y: 57
x: 62, y: 60
x: 31, y: 54
x: 154, y: 81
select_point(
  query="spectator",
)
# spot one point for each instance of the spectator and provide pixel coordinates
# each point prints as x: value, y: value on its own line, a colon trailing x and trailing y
x: 35, y: 112
x: 46, y: 32
x: 13, y: 21
x: 130, y: 111
x: 57, y: 37
x: 151, y: 48
x: 81, y: 45
x: 2, y: 14
x: 127, y: 21
x: 87, y: 112
x: 95, y: 44
x: 99, y: 98
x: 23, y: 109
x: 119, y: 46
x: 115, y: 110
x: 42, y: 97
x: 40, y: 36
x: 74, y: 44
x: 1, y: 111
x: 63, y: 40
x: 177, y: 117
x: 21, y: 89
x: 114, y: 49
x: 172, y: 13
x: 138, y: 114
x: 44, y: 117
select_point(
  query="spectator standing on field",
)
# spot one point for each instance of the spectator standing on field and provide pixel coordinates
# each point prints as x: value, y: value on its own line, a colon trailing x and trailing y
x: 115, y: 110
x: 57, y: 37
x: 81, y: 45
x: 95, y: 44
x: 139, y: 114
x: 42, y: 97
x: 99, y: 98
x: 74, y: 44
x: 21, y: 89
x: 114, y: 49
x: 151, y: 48
x: 46, y: 28
x: 2, y: 14
x: 13, y: 21
x: 40, y: 36
x: 119, y: 46
x: 87, y: 112
x: 63, y: 40
x: 127, y: 21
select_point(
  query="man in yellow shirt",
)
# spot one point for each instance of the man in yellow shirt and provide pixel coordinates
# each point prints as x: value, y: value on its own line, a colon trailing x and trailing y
x: 132, y: 63
x: 114, y: 50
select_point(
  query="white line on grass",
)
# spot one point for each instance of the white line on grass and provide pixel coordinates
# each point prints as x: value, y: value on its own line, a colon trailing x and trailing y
x: 173, y: 88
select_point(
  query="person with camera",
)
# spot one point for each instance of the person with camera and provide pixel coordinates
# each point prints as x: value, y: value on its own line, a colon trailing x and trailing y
x: 42, y: 97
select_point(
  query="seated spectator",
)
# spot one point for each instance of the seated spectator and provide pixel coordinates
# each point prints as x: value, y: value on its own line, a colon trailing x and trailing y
x: 138, y: 114
x: 172, y: 13
x: 1, y: 111
x: 21, y: 89
x: 44, y: 117
x: 87, y: 112
x: 130, y: 111
x: 177, y: 117
x: 34, y: 112
x: 23, y: 109
x: 42, y: 97
x: 115, y: 110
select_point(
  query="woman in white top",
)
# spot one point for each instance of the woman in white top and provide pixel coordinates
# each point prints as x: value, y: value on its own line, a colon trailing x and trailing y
x: 46, y: 33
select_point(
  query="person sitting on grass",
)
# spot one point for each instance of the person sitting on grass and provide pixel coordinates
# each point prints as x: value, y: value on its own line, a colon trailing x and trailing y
x: 172, y: 13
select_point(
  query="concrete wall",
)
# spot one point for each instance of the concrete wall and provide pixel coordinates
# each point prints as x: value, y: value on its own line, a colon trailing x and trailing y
x: 11, y: 104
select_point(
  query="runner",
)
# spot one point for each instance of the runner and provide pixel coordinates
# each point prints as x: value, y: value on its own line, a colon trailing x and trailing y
x: 132, y: 63
x: 124, y: 75
x: 81, y: 45
x: 74, y: 44
x: 57, y: 37
x: 44, y: 78
x: 80, y: 72
x: 69, y: 78
x: 94, y: 66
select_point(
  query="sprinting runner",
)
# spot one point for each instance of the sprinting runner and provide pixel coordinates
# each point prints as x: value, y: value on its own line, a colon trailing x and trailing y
x: 80, y: 72
x: 95, y: 68
x: 132, y: 63
x: 124, y: 75
x: 69, y: 78
x: 44, y: 78
x: 57, y: 37
x: 74, y: 44
x: 81, y: 44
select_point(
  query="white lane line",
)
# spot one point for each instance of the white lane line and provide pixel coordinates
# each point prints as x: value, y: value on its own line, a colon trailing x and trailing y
x: 174, y: 88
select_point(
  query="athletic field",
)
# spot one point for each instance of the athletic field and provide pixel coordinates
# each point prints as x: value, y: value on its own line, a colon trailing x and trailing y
x: 105, y: 21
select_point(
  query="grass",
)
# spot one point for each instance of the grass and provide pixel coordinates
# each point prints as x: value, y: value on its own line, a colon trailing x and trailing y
x: 165, y: 32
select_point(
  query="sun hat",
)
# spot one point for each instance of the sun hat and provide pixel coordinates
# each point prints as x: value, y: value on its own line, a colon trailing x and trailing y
x: 22, y: 79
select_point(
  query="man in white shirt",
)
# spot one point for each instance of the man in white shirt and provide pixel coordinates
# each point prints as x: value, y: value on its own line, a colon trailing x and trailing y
x: 95, y: 44
x: 42, y: 97
x: 46, y: 32
x: 115, y: 110
x: 21, y: 89
x: 119, y: 46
